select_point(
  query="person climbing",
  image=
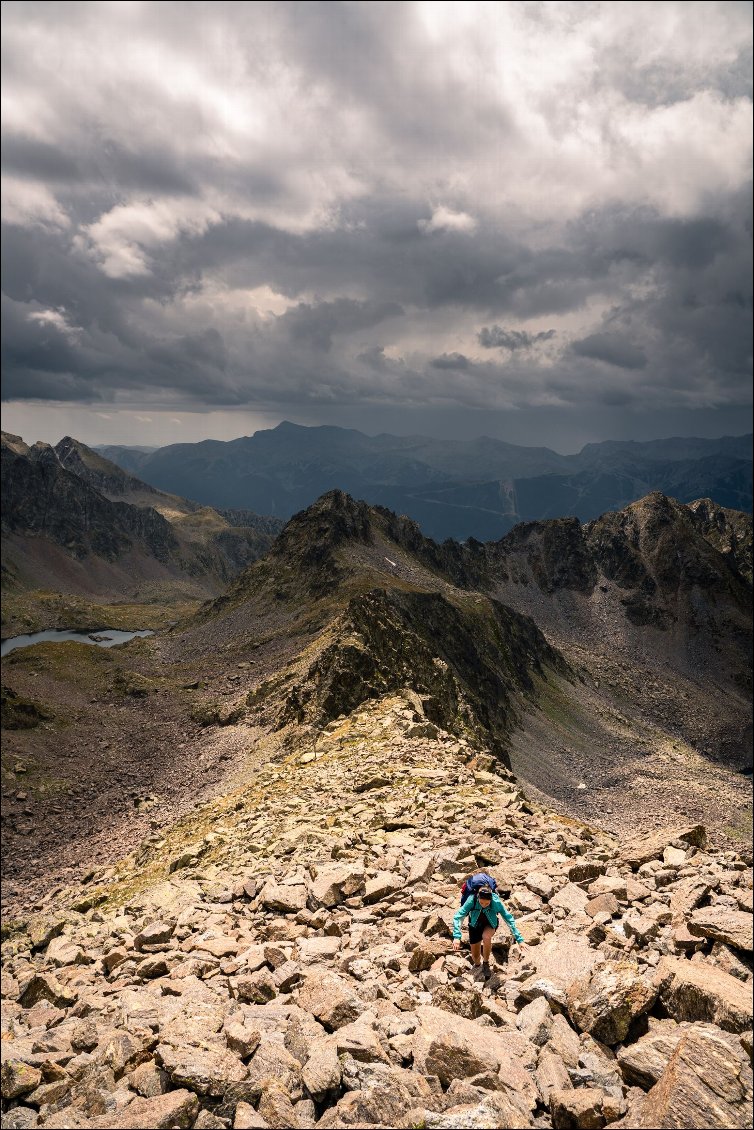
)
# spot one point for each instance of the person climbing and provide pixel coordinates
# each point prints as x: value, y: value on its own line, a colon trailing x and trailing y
x: 482, y: 908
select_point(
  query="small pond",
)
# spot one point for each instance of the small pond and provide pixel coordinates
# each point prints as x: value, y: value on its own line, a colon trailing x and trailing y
x: 102, y: 637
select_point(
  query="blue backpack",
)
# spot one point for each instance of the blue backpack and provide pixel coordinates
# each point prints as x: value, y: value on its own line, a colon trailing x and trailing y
x: 472, y: 885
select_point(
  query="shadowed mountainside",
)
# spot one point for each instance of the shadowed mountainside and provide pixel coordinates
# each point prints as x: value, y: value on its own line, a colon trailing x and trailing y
x: 75, y: 524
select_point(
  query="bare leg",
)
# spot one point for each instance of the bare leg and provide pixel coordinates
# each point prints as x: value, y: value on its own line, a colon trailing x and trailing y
x: 487, y: 944
x: 476, y: 955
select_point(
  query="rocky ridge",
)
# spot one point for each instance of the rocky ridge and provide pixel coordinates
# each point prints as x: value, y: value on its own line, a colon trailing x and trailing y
x: 283, y: 958
x: 653, y: 600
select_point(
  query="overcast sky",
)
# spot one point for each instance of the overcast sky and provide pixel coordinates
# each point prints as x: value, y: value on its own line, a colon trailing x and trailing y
x: 529, y: 220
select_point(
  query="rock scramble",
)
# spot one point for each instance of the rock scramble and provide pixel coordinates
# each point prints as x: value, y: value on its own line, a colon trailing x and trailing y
x: 284, y: 959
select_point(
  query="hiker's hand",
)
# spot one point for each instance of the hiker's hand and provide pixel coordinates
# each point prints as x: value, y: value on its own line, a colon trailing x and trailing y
x: 456, y: 943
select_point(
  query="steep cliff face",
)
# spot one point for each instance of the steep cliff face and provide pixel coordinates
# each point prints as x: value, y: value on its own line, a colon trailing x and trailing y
x: 662, y: 554
x: 729, y: 531
x: 555, y: 554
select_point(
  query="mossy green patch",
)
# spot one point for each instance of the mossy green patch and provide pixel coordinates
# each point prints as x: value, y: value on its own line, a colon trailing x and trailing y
x: 11, y: 927
x: 217, y: 713
x: 36, y: 610
x: 739, y: 830
x: 134, y: 685
x: 19, y: 713
x: 70, y: 661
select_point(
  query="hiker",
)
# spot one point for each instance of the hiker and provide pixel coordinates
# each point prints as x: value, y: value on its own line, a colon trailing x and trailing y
x: 482, y: 907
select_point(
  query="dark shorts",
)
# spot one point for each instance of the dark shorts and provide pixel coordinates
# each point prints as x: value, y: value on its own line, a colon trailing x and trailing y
x: 476, y: 932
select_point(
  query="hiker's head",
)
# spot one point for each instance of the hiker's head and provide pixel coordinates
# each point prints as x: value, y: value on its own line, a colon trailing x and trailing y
x: 484, y: 894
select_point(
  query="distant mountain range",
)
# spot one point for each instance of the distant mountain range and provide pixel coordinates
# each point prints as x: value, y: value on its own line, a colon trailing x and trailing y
x: 453, y: 488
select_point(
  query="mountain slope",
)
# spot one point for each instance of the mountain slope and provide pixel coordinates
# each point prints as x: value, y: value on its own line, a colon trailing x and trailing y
x: 527, y: 652
x: 75, y: 523
x: 641, y: 602
x: 478, y: 488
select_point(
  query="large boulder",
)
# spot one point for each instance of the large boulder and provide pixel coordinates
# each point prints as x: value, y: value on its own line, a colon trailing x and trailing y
x: 330, y: 999
x: 206, y: 1071
x: 570, y: 897
x: 734, y: 927
x: 154, y: 934
x: 275, y: 1107
x: 383, y: 884
x: 176, y: 1109
x: 644, y: 1062
x: 310, y: 950
x: 426, y: 954
x: 452, y: 1047
x: 535, y: 1020
x: 491, y: 1109
x: 334, y: 882
x: 691, y: 990
x: 607, y: 1003
x: 321, y: 1072
x: 707, y: 1083
x: 272, y: 1060
x: 283, y: 897
x: 379, y: 1095
x: 257, y: 987
x: 558, y: 961
x: 580, y: 1109
x: 44, y: 986
x: 644, y: 848
x: 18, y: 1078
x: 687, y: 894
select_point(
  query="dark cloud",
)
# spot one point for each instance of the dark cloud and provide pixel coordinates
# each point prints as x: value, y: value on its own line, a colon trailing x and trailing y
x: 450, y: 361
x: 317, y: 325
x: 495, y: 337
x: 613, y: 349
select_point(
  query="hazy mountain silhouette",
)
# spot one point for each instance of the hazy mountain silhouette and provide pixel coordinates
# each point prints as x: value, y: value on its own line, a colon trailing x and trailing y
x: 453, y: 488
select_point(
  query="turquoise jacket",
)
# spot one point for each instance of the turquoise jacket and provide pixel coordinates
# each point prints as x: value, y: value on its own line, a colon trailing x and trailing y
x: 472, y: 909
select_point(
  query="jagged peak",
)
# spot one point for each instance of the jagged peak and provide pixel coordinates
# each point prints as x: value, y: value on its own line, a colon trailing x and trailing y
x: 336, y: 519
x: 68, y: 442
x: 335, y: 514
x: 310, y: 539
x: 41, y: 452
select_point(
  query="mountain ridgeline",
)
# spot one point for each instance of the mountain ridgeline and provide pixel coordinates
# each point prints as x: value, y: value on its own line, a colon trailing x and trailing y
x: 656, y: 599
x: 473, y: 488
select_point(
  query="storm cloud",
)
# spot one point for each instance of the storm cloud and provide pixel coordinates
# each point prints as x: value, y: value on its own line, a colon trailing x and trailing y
x: 495, y: 337
x: 406, y: 207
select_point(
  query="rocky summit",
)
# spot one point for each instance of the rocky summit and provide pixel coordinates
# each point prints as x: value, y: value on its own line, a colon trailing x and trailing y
x: 234, y: 849
x: 284, y: 959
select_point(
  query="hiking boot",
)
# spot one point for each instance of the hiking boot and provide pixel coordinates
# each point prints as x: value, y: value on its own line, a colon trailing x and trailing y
x: 486, y: 971
x: 478, y: 973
